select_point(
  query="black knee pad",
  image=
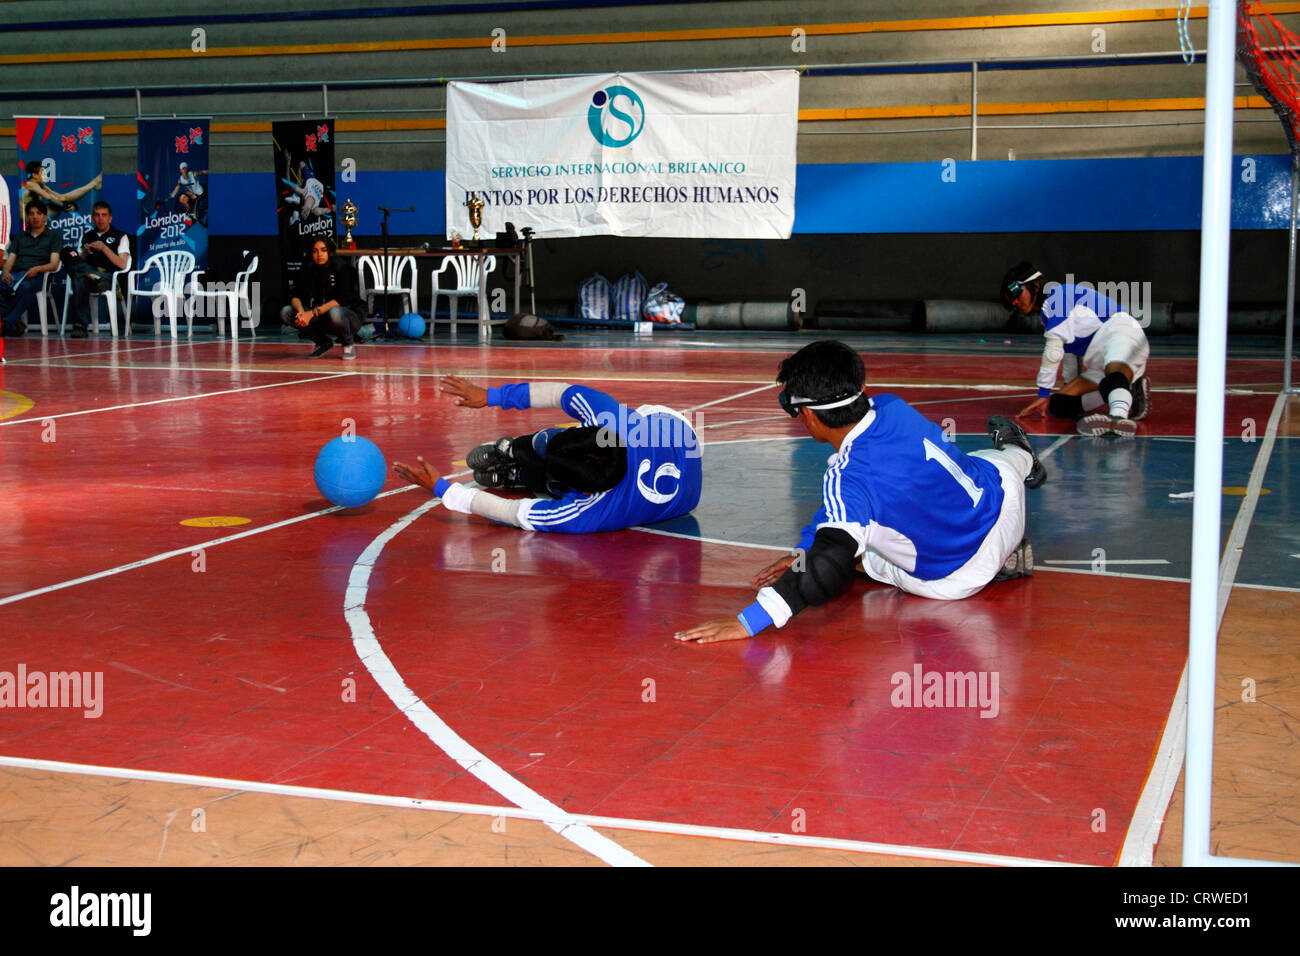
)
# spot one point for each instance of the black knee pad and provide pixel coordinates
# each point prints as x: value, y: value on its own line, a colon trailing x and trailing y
x: 828, y: 571
x: 1065, y: 406
x: 1112, y: 381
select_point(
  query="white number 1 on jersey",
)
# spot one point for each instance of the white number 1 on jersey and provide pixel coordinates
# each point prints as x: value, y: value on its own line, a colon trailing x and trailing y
x: 934, y: 453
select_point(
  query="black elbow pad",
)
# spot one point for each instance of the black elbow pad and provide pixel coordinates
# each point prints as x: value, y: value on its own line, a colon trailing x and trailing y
x: 827, y: 570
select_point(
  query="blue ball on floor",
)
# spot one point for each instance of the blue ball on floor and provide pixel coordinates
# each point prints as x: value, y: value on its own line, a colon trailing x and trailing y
x: 350, y: 470
x: 411, y: 325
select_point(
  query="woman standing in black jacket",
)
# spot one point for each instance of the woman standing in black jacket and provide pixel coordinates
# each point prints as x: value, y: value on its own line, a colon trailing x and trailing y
x: 326, y: 301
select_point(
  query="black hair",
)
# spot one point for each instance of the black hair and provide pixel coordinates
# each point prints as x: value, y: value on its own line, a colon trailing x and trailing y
x: 1020, y: 273
x: 102, y: 205
x: 587, y: 459
x: 827, y: 371
x: 38, y: 203
x: 329, y: 245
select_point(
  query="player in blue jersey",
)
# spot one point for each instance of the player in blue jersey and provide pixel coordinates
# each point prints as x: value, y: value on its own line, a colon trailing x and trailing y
x: 1103, y: 349
x: 899, y: 501
x: 621, y: 467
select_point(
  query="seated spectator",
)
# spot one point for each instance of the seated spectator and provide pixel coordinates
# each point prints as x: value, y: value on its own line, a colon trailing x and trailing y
x: 103, y: 252
x: 326, y: 301
x: 31, y: 253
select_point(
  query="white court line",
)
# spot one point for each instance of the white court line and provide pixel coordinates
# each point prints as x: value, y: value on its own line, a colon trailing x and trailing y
x: 1055, y: 445
x: 218, y: 490
x: 166, y: 555
x: 976, y: 398
x: 1160, y: 577
x: 750, y: 421
x: 1108, y: 561
x: 571, y: 826
x: 517, y: 813
x: 47, y: 361
x: 1158, y: 791
x: 435, y: 728
x: 742, y: 441
x: 719, y: 401
x: 178, y: 398
x: 1170, y: 579
x: 575, y: 376
x: 475, y: 373
x: 1119, y: 574
x: 1236, y: 544
x: 695, y: 537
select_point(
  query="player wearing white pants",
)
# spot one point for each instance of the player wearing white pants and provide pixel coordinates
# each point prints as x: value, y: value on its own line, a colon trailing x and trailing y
x: 1014, y: 465
x: 1101, y: 348
x: 900, y: 502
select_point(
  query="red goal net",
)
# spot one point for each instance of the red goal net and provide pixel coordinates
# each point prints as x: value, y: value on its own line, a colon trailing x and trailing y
x: 1271, y: 55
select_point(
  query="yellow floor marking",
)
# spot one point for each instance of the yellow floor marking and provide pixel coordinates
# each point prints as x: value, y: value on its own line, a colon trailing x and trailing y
x: 11, y: 404
x: 215, y: 521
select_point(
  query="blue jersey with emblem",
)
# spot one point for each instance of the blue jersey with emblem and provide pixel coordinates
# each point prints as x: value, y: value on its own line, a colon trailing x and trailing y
x: 664, y: 473
x: 1074, y: 313
x: 899, y: 487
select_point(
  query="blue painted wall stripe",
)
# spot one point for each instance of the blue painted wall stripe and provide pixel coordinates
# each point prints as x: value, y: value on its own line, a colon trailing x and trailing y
x: 1049, y: 195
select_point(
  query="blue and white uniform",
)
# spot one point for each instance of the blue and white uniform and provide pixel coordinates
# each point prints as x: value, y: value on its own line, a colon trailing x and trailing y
x: 664, y: 472
x: 1087, y: 331
x: 926, y: 517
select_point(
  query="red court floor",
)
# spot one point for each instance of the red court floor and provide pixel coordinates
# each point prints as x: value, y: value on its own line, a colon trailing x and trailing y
x: 449, y: 659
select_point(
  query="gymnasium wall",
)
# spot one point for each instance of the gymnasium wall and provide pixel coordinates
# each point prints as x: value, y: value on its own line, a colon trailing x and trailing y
x: 1104, y: 127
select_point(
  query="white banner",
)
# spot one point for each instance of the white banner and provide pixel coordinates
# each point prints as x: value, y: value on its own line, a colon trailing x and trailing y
x: 702, y: 155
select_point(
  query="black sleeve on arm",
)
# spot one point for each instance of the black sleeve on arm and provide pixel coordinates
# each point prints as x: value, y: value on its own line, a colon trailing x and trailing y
x: 828, y: 569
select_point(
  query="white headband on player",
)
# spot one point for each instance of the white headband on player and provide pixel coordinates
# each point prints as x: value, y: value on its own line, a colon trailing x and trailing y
x: 846, y: 401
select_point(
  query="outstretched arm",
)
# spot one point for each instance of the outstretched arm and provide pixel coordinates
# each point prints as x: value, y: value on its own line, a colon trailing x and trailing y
x: 525, y: 395
x: 1053, y: 354
x: 827, y: 570
x: 458, y: 497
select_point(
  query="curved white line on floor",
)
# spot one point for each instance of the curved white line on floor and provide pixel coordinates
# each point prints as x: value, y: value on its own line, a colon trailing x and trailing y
x: 451, y: 743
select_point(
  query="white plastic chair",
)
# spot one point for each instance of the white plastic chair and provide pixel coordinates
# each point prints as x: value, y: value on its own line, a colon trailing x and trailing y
x: 172, y: 268
x: 373, y: 283
x: 234, y: 294
x: 471, y: 274
x: 110, y: 294
x: 45, y: 298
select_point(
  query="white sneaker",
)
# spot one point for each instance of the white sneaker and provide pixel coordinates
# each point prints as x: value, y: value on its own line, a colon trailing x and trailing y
x: 349, y: 352
x: 1019, y: 564
x: 1107, y: 425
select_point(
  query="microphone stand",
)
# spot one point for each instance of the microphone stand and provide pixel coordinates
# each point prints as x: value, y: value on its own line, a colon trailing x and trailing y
x: 387, y: 266
x: 527, y: 233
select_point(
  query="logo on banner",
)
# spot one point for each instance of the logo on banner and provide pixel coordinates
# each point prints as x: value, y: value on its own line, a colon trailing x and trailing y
x: 616, y: 116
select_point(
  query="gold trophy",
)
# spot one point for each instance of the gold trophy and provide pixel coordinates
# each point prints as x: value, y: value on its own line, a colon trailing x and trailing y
x: 475, y: 205
x: 349, y: 220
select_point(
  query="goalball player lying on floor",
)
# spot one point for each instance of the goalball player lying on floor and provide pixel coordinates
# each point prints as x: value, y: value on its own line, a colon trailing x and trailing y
x: 899, y: 501
x: 621, y: 467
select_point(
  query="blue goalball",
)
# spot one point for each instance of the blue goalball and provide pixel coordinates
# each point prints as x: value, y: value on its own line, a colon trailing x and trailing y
x: 350, y: 470
x: 411, y: 325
